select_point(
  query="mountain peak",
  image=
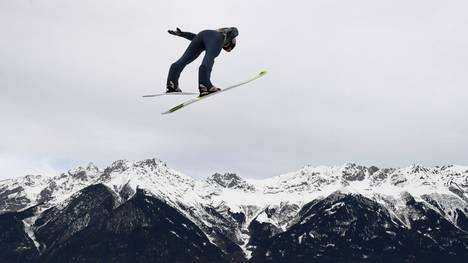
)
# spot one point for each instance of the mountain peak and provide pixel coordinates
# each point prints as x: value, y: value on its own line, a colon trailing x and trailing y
x: 153, y: 162
x: 83, y: 173
x: 118, y: 166
x: 354, y: 172
x: 89, y: 167
x: 92, y: 167
x: 417, y: 168
x: 229, y: 180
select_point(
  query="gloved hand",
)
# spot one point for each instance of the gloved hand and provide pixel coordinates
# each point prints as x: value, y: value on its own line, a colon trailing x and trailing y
x: 177, y: 32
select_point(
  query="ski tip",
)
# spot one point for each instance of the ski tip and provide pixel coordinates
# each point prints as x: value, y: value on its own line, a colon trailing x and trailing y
x: 262, y: 73
x: 174, y: 109
x: 167, y: 112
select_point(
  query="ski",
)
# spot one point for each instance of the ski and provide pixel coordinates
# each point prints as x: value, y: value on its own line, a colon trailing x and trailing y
x: 191, y: 101
x: 170, y: 94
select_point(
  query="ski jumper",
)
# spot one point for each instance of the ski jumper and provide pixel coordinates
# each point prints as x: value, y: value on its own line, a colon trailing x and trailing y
x: 210, y: 41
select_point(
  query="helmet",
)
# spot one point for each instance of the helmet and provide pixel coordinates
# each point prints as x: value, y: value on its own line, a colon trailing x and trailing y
x: 229, y: 32
x: 230, y: 45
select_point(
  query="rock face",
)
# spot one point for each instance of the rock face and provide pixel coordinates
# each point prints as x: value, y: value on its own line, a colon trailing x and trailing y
x: 140, y: 229
x: 352, y: 228
x: 147, y: 212
x: 16, y: 245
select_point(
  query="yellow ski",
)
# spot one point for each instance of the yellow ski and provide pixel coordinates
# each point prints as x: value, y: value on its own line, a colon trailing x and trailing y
x: 191, y: 101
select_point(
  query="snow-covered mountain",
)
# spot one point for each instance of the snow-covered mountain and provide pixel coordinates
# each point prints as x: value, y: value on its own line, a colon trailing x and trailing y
x: 315, y: 213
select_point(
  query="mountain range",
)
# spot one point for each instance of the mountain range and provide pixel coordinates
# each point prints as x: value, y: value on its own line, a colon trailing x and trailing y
x: 147, y: 212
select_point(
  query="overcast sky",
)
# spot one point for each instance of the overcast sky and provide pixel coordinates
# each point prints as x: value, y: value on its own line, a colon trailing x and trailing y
x: 373, y: 82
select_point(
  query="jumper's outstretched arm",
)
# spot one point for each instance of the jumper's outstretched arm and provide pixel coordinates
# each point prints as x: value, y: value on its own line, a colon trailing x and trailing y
x: 188, y: 35
x: 180, y: 33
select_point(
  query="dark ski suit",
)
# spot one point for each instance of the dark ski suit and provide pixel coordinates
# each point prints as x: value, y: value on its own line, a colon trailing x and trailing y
x: 210, y: 41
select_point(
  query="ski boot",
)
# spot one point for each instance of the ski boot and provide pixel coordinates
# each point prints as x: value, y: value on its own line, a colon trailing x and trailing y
x: 172, y: 87
x: 205, y: 90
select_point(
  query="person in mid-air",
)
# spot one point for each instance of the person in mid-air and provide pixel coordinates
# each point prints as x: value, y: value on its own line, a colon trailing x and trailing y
x: 210, y: 41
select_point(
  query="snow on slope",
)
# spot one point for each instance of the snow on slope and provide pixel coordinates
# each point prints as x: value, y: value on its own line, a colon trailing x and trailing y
x: 298, y: 187
x: 50, y: 190
x: 274, y: 200
x: 310, y: 183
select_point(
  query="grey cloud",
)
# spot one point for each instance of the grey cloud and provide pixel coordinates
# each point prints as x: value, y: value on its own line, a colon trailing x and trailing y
x: 366, y: 81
